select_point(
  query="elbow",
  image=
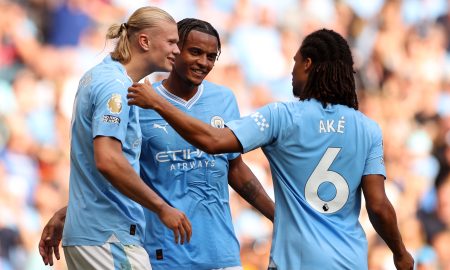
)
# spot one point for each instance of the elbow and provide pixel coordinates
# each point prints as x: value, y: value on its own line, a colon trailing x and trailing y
x: 103, y: 164
x: 380, y: 210
x: 211, y: 149
x: 209, y: 144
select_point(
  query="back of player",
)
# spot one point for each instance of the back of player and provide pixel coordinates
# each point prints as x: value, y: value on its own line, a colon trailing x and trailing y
x: 317, y: 156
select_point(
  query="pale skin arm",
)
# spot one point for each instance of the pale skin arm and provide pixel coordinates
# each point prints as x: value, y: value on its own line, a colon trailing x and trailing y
x: 111, y: 162
x: 205, y: 137
x: 245, y: 183
x: 383, y: 218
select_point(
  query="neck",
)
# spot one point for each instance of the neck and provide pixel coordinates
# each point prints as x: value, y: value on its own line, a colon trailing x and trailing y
x: 179, y: 87
x: 137, y: 70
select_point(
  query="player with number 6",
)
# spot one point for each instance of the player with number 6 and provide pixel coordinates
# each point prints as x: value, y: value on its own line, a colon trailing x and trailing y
x: 322, y: 152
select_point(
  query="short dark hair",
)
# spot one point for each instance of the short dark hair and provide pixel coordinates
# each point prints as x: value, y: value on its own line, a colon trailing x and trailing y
x: 185, y: 26
x: 331, y: 79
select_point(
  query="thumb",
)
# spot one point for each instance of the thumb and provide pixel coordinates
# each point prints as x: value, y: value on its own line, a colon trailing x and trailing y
x: 147, y: 81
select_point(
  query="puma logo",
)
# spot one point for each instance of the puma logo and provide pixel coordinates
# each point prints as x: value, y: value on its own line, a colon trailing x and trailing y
x: 123, y: 84
x: 163, y: 127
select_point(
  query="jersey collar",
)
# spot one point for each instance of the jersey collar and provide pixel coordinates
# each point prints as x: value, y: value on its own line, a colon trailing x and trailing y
x: 185, y: 103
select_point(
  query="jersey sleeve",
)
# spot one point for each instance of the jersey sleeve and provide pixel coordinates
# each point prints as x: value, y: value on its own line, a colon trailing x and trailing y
x: 258, y: 129
x: 110, y: 110
x: 375, y: 162
x: 232, y: 112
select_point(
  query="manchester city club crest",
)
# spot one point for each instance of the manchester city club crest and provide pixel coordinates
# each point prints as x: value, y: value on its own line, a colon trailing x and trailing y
x: 217, y: 121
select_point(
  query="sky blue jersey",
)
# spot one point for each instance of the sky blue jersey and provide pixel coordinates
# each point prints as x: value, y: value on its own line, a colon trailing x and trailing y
x: 192, y: 181
x: 96, y: 209
x: 317, y: 157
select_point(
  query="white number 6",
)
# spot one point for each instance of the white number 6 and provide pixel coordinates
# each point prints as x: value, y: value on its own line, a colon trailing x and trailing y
x: 320, y: 175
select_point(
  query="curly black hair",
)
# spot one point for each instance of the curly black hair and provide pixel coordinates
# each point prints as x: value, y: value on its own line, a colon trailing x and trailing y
x: 331, y: 79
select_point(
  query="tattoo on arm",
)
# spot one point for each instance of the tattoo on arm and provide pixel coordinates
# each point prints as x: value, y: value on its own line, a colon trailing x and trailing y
x: 250, y: 190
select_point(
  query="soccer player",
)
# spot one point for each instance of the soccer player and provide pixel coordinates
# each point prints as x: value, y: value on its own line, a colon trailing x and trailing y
x: 186, y: 177
x: 322, y: 152
x: 104, y: 226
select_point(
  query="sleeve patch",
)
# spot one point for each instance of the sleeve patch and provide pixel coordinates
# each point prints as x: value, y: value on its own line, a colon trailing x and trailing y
x: 115, y: 104
x: 111, y: 119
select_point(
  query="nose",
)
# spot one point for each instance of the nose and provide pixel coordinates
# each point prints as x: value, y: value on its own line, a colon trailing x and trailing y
x: 176, y: 50
x: 202, y: 60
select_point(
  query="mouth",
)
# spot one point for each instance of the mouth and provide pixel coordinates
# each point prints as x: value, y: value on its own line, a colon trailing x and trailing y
x: 171, y: 60
x: 199, y: 72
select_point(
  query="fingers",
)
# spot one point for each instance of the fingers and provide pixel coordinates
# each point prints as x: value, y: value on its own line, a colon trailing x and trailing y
x: 147, y: 81
x: 182, y: 233
x: 50, y: 256
x: 43, y: 250
x: 188, y: 228
x: 56, y: 251
x: 176, y: 235
x: 49, y: 250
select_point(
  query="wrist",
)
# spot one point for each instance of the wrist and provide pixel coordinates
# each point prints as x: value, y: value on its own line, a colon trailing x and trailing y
x: 159, y: 207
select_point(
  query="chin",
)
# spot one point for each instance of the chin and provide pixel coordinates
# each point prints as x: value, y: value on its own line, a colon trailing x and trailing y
x: 195, y: 82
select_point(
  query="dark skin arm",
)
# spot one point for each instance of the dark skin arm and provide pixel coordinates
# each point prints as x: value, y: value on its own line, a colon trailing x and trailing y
x: 245, y: 183
x: 383, y: 218
x: 209, y: 139
x: 51, y: 237
x: 203, y: 136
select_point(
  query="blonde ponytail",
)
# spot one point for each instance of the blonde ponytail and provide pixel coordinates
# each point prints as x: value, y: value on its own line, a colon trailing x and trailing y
x: 142, y: 18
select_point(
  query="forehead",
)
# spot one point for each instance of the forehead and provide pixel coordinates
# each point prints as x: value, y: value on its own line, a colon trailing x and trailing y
x: 165, y: 29
x: 201, y: 40
x: 298, y: 56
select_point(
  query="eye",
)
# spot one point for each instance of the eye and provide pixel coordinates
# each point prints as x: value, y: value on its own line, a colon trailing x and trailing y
x: 195, y: 51
x: 212, y: 57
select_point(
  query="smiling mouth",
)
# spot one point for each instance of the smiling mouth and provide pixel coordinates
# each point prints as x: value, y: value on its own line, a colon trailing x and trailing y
x: 198, y: 72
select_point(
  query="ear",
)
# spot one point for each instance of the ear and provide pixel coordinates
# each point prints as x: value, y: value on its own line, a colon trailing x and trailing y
x: 144, y: 41
x: 308, y: 64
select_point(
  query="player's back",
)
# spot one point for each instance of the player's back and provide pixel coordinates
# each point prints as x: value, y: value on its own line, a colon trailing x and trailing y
x: 317, y: 159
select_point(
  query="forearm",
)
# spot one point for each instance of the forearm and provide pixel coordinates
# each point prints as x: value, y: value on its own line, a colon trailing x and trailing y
x: 253, y: 192
x: 123, y: 177
x: 193, y: 130
x: 384, y: 222
x: 61, y: 213
x: 245, y: 183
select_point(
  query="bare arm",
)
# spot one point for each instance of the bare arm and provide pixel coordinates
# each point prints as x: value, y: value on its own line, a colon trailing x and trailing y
x: 51, y: 237
x: 383, y: 218
x: 245, y: 183
x: 111, y: 162
x: 205, y: 137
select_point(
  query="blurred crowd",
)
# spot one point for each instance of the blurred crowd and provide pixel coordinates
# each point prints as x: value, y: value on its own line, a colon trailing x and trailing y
x: 402, y: 62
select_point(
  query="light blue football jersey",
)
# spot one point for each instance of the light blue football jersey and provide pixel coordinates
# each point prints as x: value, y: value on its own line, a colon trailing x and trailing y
x: 192, y: 181
x: 317, y: 157
x: 96, y: 209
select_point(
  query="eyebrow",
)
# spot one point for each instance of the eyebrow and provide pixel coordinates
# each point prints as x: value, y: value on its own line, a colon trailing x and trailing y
x: 193, y: 47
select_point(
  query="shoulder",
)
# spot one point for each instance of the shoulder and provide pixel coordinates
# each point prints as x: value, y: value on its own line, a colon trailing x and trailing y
x: 213, y: 88
x: 110, y: 80
x: 369, y: 123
